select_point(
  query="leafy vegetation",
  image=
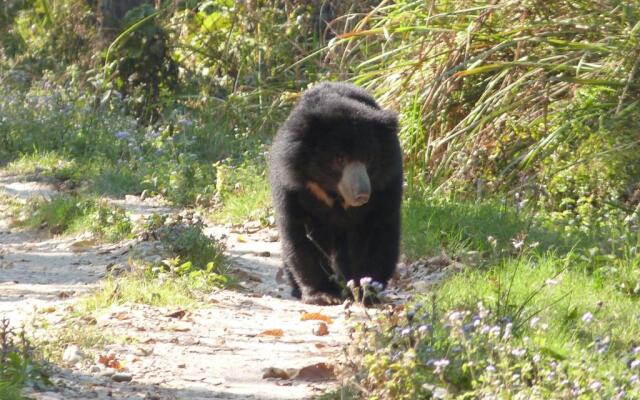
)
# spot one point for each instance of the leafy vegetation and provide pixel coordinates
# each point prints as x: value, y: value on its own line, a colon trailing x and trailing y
x: 72, y: 214
x: 190, y: 266
x: 519, y: 124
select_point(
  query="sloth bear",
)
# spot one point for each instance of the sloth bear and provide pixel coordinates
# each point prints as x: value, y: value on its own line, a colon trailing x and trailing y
x: 336, y: 181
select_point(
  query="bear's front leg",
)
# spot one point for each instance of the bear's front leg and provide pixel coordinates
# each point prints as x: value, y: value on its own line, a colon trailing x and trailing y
x: 309, y: 267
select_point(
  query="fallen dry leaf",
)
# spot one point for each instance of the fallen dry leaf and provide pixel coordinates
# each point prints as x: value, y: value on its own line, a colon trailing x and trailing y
x: 315, y: 317
x: 321, y: 329
x: 243, y: 275
x: 121, y: 315
x: 316, y: 372
x: 110, y: 361
x: 272, y: 372
x: 272, y: 332
x: 177, y: 314
x: 180, y: 328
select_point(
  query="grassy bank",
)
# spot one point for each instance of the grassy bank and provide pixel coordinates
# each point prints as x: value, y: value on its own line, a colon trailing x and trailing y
x: 536, y: 313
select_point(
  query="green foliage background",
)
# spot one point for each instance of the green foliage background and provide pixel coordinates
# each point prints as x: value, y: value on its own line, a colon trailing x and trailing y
x: 534, y: 100
x: 520, y: 125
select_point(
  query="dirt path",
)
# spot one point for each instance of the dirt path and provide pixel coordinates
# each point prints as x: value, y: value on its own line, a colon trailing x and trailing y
x: 218, y: 351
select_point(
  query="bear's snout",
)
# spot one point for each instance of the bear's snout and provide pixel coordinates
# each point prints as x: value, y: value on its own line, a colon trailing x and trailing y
x: 354, y: 186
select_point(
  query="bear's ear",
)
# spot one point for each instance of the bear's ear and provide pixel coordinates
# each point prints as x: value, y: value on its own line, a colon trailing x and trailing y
x: 388, y: 119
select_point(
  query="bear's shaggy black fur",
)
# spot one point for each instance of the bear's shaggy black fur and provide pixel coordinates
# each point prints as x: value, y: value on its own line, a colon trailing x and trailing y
x: 327, y: 240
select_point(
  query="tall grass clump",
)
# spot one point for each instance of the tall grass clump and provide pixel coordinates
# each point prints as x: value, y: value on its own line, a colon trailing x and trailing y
x: 535, y: 97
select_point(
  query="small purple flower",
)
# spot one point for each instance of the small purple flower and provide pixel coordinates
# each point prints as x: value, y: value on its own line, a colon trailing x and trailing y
x: 120, y: 135
x: 507, y: 331
x: 406, y: 332
x: 455, y: 316
x: 534, y: 321
x: 621, y: 395
x: 587, y: 317
x: 602, y: 345
x: 423, y: 329
x: 377, y: 286
x: 490, y: 368
x: 595, y: 386
x: 440, y: 365
x: 152, y: 134
x: 366, y: 281
x: 351, y: 284
x: 518, y: 352
x: 494, y: 331
x: 634, y: 364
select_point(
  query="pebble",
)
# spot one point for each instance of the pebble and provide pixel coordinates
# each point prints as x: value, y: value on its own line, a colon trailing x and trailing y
x: 72, y: 354
x: 122, y: 377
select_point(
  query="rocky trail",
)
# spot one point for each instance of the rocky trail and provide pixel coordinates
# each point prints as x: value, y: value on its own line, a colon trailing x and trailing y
x: 246, y: 343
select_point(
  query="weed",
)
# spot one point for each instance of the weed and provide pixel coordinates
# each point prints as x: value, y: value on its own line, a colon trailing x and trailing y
x: 183, y: 237
x: 243, y: 193
x: 19, y: 363
x: 69, y: 214
x: 191, y: 266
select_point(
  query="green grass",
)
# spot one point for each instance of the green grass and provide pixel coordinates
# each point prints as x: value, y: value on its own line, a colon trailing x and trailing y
x: 539, y: 310
x: 9, y: 391
x: 183, y: 291
x: 172, y: 283
x: 116, y: 181
x: 71, y: 214
x: 559, y: 291
x: 432, y: 224
x: 49, y: 164
x: 244, y: 194
x: 193, y: 265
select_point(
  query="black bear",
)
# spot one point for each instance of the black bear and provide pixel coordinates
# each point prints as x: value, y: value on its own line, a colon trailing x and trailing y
x: 336, y: 181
